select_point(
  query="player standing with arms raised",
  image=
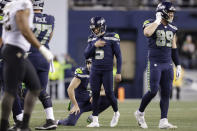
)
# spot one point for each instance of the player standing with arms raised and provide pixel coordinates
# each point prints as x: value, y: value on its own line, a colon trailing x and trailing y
x: 80, y: 96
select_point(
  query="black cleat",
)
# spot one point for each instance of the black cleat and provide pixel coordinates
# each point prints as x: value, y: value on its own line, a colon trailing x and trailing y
x: 16, y: 126
x: 49, y: 125
x: 27, y: 129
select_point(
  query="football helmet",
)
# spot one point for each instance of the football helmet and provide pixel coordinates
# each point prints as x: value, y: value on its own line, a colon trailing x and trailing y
x: 38, y: 4
x: 97, y: 26
x: 3, y: 3
x: 165, y: 8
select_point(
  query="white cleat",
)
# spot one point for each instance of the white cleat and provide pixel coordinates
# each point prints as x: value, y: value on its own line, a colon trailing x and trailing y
x: 164, y: 124
x: 93, y: 124
x: 140, y: 119
x: 115, y: 119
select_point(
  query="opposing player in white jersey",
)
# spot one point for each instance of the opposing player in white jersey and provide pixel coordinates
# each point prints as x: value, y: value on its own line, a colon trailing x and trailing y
x: 17, y: 37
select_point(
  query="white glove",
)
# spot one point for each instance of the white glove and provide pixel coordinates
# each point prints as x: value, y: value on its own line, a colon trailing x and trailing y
x: 178, y: 72
x: 46, y: 53
x: 158, y: 18
x: 52, y: 68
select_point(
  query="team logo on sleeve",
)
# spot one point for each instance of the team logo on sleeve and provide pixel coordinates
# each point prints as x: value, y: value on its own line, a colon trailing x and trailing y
x: 78, y: 71
x: 117, y: 36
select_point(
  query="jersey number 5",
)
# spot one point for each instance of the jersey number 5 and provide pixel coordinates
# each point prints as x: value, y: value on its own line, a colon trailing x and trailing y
x: 164, y: 38
x: 99, y: 54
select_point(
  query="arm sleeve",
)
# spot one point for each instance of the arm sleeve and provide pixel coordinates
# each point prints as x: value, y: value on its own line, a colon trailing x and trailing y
x: 175, y: 56
x: 52, y: 22
x: 118, y: 55
x: 89, y: 51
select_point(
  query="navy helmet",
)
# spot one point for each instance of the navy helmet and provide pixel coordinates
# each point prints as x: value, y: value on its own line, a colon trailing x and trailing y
x: 3, y: 3
x: 99, y: 24
x: 38, y: 4
x: 165, y: 8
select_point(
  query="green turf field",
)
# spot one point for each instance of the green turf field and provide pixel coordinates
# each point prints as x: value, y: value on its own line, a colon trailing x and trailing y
x: 182, y: 114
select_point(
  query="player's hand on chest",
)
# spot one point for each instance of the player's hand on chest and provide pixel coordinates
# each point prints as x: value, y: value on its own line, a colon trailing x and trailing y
x: 99, y: 43
x: 102, y: 43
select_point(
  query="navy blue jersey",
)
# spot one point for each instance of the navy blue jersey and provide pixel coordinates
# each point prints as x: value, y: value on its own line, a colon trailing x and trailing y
x: 160, y: 43
x: 44, y: 26
x: 81, y: 92
x: 102, y: 57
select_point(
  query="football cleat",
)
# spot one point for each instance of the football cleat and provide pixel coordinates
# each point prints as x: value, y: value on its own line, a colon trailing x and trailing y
x: 16, y: 126
x: 164, y: 124
x: 140, y: 119
x: 115, y: 119
x: 26, y: 129
x: 93, y: 124
x: 19, y: 129
x: 49, y: 125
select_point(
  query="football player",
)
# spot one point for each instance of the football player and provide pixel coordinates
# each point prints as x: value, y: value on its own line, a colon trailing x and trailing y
x: 80, y: 96
x: 102, y: 46
x: 162, y: 50
x: 18, y: 37
x: 2, y: 4
x: 43, y: 30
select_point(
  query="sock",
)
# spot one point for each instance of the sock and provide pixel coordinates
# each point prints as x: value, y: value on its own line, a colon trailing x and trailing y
x: 141, y: 113
x: 117, y: 113
x: 26, y: 119
x: 19, y: 117
x: 49, y: 113
x: 95, y: 118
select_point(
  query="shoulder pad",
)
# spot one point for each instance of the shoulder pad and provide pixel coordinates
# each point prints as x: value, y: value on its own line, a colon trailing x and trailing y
x: 173, y: 27
x: 91, y: 38
x: 112, y: 36
x: 81, y: 73
x: 147, y: 22
x: 78, y: 71
x: 49, y: 17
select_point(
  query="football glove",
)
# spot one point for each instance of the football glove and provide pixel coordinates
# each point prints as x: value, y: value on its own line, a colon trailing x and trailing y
x: 46, y: 53
x: 158, y: 18
x: 178, y: 72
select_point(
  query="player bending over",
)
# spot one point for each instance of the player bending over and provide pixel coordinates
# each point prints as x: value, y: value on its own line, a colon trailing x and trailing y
x: 80, y: 96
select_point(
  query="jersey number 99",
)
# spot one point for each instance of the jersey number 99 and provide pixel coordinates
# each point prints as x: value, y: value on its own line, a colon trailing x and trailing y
x: 164, y: 38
